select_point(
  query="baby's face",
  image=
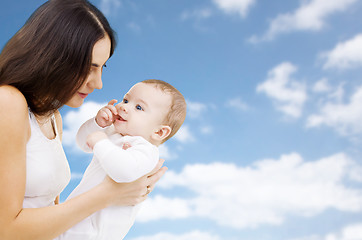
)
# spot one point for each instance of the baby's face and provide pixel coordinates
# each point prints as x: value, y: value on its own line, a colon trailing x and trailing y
x: 142, y: 111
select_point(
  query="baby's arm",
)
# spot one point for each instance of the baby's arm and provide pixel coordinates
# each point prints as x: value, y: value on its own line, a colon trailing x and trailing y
x: 126, y: 165
x: 103, y: 119
x: 86, y: 129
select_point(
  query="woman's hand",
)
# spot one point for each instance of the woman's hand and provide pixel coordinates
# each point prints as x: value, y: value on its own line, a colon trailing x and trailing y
x: 128, y: 194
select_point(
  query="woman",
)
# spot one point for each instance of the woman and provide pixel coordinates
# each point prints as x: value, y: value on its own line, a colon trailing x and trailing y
x: 55, y: 59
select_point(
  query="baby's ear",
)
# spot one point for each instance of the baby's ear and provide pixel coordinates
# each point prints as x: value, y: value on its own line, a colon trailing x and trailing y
x: 162, y: 133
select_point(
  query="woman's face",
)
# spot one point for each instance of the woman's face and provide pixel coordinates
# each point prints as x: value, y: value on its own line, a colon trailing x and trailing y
x: 100, y: 55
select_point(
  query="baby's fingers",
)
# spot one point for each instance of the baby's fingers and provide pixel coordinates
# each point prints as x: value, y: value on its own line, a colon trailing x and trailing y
x: 112, y: 102
x: 112, y: 109
x: 104, y: 113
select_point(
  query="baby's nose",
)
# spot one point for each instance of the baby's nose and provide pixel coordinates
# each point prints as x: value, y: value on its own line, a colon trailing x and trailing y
x: 122, y: 107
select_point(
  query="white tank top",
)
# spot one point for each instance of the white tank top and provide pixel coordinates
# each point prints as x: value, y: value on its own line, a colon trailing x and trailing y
x: 47, y: 168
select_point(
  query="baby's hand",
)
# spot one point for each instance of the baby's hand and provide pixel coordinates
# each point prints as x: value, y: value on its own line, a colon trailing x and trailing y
x: 126, y: 145
x: 105, y: 116
x: 95, y: 137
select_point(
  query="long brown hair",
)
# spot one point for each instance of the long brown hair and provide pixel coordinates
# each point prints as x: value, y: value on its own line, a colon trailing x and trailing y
x: 49, y: 58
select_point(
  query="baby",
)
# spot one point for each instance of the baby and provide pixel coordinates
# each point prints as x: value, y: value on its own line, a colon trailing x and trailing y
x: 124, y: 140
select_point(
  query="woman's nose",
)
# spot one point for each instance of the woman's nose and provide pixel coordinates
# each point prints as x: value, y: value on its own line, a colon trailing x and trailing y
x: 95, y: 80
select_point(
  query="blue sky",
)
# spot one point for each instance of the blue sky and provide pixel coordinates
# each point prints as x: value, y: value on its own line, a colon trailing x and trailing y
x: 271, y: 146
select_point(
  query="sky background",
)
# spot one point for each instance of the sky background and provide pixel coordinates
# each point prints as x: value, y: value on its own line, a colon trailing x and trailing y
x: 271, y: 146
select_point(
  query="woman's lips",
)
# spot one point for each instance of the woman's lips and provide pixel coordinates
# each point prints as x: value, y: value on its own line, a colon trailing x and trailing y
x: 83, y: 95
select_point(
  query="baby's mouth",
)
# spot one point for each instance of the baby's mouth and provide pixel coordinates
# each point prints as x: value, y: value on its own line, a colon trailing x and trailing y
x: 119, y: 118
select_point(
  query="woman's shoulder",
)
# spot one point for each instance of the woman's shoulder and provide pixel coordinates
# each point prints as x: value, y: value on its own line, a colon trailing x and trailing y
x: 13, y: 107
x: 12, y: 97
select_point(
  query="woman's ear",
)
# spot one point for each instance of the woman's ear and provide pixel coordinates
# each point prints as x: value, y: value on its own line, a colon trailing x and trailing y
x: 162, y: 133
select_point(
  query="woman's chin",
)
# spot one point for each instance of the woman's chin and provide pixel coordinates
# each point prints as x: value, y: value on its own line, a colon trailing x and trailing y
x: 75, y: 103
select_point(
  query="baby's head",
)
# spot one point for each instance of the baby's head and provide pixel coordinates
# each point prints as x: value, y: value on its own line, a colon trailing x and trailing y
x: 152, y: 109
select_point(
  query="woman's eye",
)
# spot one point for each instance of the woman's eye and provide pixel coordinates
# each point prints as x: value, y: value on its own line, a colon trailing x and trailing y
x: 138, y: 107
x: 125, y: 101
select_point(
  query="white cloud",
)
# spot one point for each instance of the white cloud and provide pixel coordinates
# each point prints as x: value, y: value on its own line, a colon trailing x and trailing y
x: 206, y: 130
x: 289, y: 95
x: 264, y: 193
x: 237, y: 103
x: 344, y: 118
x: 109, y: 7
x: 312, y: 237
x: 186, y: 236
x: 134, y: 27
x: 77, y: 175
x: 165, y: 152
x: 156, y: 208
x: 74, y: 119
x: 356, y: 174
x: 345, y: 55
x: 351, y: 232
x: 338, y: 93
x: 321, y: 86
x: 184, y: 135
x: 198, y: 14
x: 240, y: 7
x: 310, y: 16
x: 195, y: 109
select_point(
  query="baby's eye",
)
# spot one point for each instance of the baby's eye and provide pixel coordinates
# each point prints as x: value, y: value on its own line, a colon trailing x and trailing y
x: 138, y: 107
x: 125, y: 101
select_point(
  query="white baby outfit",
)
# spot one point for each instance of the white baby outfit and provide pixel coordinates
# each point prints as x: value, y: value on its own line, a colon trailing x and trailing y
x: 121, y: 165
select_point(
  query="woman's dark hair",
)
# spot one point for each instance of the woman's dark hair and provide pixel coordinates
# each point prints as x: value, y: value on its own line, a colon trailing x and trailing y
x: 49, y: 58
